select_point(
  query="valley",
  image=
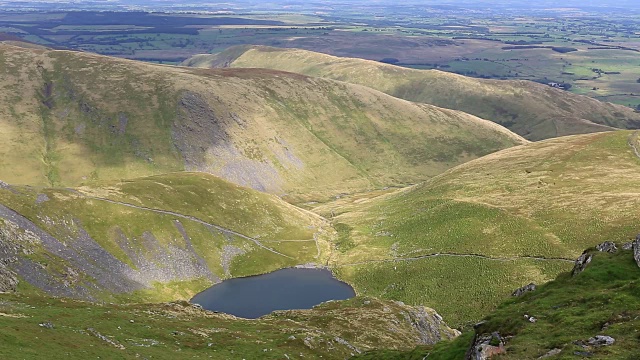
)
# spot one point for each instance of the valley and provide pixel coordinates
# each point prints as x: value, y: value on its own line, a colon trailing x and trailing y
x: 449, y: 216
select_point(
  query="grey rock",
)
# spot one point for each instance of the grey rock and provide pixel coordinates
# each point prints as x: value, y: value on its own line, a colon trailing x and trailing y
x: 41, y: 198
x: 601, y: 340
x: 46, y: 325
x: 636, y: 249
x: 113, y: 343
x: 551, y: 353
x: 607, y: 246
x: 627, y: 246
x: 581, y: 263
x: 525, y: 289
x: 482, y: 348
x: 8, y: 279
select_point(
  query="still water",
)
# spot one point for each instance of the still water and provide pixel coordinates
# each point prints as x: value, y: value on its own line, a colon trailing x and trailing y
x: 285, y: 289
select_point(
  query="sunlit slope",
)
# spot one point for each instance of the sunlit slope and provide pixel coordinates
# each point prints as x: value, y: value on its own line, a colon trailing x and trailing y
x: 530, y: 109
x: 164, y: 237
x: 603, y: 300
x: 70, y: 118
x: 463, y: 240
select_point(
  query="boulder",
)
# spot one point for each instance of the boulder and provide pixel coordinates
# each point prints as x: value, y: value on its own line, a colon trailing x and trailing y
x: 485, y: 346
x: 627, y: 246
x: 601, y: 340
x: 525, y: 289
x: 581, y: 263
x: 607, y: 246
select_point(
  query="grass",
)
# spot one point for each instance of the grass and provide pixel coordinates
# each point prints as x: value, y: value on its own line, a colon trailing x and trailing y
x: 169, y: 330
x: 532, y: 110
x: 113, y: 119
x: 523, y: 214
x: 602, y: 300
x: 165, y: 209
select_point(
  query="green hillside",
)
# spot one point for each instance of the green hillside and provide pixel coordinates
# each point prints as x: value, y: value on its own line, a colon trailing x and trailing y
x: 73, y: 118
x: 603, y: 300
x: 532, y: 110
x: 159, y: 238
x: 465, y: 239
x: 71, y: 329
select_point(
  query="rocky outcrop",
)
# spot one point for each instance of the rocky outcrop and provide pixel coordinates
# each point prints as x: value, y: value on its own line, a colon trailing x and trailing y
x: 486, y: 346
x: 525, y: 289
x: 607, y: 246
x: 581, y: 263
x: 636, y: 249
x: 429, y: 325
x: 87, y: 268
x: 601, y: 340
x: 8, y: 279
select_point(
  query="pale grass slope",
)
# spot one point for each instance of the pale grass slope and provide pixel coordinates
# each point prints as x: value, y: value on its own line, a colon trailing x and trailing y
x: 70, y: 118
x: 530, y: 109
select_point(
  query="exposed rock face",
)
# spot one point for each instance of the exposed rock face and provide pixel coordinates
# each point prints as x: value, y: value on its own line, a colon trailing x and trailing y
x: 525, y: 289
x: 429, y: 325
x: 8, y: 279
x: 581, y: 263
x: 205, y: 141
x: 485, y: 346
x: 88, y: 267
x: 607, y: 246
x: 636, y: 249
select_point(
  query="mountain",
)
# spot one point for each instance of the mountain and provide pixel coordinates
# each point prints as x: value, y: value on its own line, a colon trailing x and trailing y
x: 593, y: 314
x: 533, y: 110
x: 463, y: 240
x: 158, y: 238
x: 73, y: 118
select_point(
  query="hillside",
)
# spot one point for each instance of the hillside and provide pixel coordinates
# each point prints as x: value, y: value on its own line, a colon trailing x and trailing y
x: 71, y: 329
x: 532, y: 110
x: 159, y: 238
x: 569, y: 313
x: 465, y: 239
x: 74, y: 118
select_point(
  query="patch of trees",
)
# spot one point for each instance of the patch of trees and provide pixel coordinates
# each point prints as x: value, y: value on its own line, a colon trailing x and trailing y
x: 389, y: 60
x: 563, y: 49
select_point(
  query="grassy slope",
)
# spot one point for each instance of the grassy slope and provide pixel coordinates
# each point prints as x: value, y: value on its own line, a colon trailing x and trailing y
x: 549, y: 199
x: 192, y: 198
x: 177, y: 330
x: 532, y: 110
x: 74, y: 118
x: 602, y: 300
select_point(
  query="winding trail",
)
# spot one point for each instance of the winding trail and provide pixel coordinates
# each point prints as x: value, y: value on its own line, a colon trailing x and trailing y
x: 457, y: 255
x: 188, y: 217
x: 632, y: 142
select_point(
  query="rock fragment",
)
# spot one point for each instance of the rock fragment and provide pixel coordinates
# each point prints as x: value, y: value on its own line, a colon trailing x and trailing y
x: 525, y: 289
